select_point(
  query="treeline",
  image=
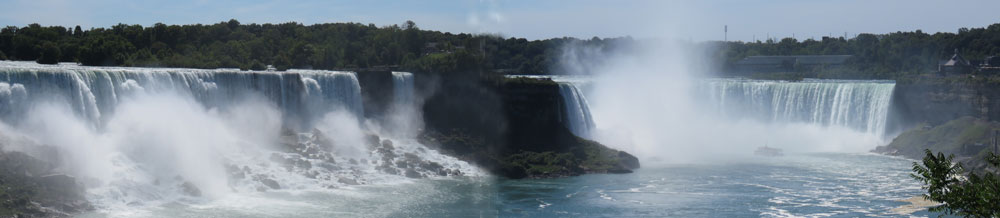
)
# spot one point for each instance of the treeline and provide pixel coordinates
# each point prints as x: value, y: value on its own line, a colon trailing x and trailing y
x: 349, y: 46
x: 884, y: 56
x: 287, y: 45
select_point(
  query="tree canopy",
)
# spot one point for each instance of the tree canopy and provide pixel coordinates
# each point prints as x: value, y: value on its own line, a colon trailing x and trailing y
x: 348, y: 46
x: 232, y: 44
x: 885, y: 56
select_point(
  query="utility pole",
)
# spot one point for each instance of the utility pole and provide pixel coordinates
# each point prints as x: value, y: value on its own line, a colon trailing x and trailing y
x: 726, y: 30
x: 995, y: 132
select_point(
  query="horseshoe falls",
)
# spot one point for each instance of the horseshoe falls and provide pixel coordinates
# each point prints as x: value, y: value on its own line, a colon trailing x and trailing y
x: 860, y: 105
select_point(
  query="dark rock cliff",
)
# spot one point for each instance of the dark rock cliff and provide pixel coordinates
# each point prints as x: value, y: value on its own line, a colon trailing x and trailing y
x: 31, y: 187
x: 954, y: 115
x: 934, y: 101
x: 513, y: 127
x: 376, y: 92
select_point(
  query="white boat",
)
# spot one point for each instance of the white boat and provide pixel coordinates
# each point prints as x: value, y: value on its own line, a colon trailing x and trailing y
x: 768, y: 151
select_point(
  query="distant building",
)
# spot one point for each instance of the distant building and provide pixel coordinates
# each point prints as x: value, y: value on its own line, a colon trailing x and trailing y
x: 432, y: 48
x: 990, y: 66
x: 956, y: 65
x: 437, y: 47
x: 771, y: 64
x: 992, y: 61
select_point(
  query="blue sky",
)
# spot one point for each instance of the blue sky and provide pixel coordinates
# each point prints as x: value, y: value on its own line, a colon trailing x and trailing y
x: 695, y: 20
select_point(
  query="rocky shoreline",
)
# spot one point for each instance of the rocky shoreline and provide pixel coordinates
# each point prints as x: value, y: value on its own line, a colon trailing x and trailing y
x: 31, y: 187
x: 968, y: 138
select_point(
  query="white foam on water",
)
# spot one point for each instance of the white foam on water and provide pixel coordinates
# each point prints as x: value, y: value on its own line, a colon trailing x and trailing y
x: 144, y: 140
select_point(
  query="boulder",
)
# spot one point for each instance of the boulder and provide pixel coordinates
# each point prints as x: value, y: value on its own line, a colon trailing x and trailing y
x: 57, y: 181
x: 190, y: 189
x: 347, y: 181
x: 270, y: 183
x: 410, y: 173
x: 372, y: 141
x: 401, y: 164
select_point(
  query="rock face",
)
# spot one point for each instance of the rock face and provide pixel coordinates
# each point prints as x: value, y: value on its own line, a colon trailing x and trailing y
x: 514, y: 128
x: 30, y: 188
x: 376, y: 92
x: 968, y: 138
x: 938, y: 100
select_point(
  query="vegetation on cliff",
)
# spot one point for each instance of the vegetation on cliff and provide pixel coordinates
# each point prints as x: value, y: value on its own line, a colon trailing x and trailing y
x: 584, y: 157
x: 232, y: 44
x: 966, y: 136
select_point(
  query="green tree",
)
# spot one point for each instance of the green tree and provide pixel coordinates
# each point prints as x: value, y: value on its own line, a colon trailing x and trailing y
x: 77, y: 31
x: 50, y: 54
x: 971, y: 196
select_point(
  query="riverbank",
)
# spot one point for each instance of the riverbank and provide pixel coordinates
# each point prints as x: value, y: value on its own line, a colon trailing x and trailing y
x: 968, y: 138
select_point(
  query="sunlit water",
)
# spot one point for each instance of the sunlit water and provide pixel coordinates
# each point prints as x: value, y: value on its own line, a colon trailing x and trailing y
x: 807, y: 185
x: 796, y: 185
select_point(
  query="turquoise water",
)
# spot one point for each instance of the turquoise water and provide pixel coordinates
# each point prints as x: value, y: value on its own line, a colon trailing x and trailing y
x: 808, y: 185
x: 796, y: 185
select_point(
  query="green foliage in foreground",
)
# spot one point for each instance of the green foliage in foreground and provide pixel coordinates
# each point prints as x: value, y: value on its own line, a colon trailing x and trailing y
x: 972, y: 196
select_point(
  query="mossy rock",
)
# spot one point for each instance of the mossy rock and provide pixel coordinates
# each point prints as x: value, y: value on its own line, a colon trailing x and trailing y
x: 965, y: 136
x: 586, y: 157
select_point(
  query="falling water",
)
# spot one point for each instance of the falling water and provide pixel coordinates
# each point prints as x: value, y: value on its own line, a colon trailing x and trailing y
x: 577, y: 110
x: 402, y: 86
x: 95, y: 92
x: 859, y: 105
x: 151, y: 136
x: 575, y: 107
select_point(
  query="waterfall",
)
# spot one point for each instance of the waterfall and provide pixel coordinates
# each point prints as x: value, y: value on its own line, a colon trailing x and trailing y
x: 403, y: 117
x: 402, y: 86
x: 861, y: 105
x: 152, y: 136
x: 576, y: 110
x: 94, y: 92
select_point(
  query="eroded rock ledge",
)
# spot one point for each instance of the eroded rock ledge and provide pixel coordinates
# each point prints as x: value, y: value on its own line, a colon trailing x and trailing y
x: 30, y: 187
x: 513, y: 127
